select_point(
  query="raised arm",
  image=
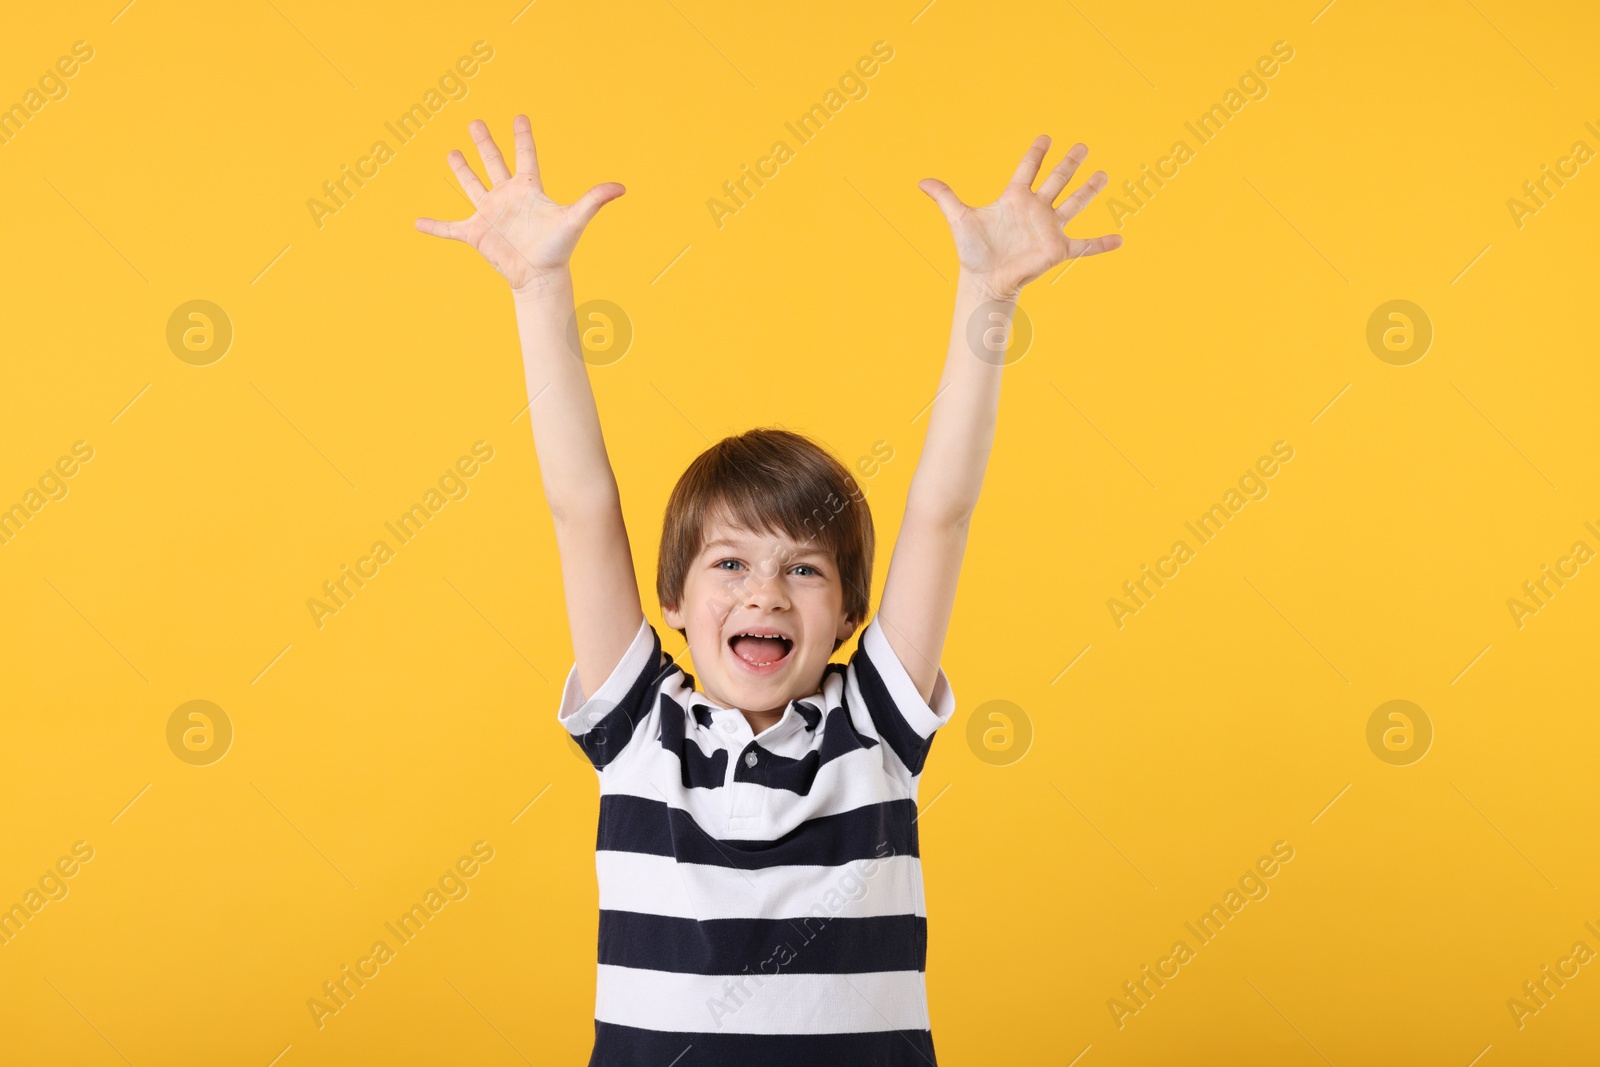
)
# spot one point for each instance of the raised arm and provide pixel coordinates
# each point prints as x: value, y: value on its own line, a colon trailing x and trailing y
x: 529, y: 239
x: 1001, y: 247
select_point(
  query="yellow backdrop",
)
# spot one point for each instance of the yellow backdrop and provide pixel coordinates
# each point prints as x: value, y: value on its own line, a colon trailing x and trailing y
x: 1401, y: 496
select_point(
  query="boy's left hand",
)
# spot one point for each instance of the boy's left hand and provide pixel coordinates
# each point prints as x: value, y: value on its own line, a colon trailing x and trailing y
x: 1012, y: 241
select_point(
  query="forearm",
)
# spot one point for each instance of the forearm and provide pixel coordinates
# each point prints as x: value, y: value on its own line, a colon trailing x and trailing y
x: 961, y: 422
x: 602, y: 594
x: 573, y: 464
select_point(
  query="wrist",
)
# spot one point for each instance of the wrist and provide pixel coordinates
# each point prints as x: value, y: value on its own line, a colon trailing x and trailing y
x: 545, y: 285
x: 987, y: 287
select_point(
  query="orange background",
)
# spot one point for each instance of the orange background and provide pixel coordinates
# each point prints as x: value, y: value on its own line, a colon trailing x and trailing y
x: 1231, y: 712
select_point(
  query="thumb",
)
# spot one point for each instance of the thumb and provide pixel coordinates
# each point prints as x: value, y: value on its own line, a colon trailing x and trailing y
x: 455, y: 231
x: 944, y: 196
x: 591, y: 202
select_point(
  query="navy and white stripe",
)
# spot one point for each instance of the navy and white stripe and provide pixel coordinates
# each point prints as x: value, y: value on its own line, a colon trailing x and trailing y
x: 760, y: 894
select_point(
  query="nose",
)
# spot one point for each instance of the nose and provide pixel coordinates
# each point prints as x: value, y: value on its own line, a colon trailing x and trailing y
x: 766, y: 592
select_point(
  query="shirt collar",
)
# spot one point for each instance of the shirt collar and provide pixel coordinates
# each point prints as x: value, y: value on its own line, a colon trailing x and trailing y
x: 805, y: 711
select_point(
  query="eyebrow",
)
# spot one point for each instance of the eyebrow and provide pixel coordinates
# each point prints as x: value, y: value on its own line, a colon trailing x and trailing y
x: 723, y: 542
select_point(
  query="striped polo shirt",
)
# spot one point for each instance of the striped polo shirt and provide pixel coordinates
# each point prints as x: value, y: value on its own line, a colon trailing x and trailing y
x: 760, y: 894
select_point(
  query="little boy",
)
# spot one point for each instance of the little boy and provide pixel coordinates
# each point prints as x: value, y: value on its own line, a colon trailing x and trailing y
x: 760, y: 889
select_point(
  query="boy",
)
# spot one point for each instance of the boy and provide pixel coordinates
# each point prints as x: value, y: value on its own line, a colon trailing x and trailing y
x: 760, y: 888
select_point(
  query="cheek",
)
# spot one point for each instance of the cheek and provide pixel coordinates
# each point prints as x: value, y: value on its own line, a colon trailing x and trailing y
x: 709, y: 597
x: 823, y: 607
x: 716, y: 594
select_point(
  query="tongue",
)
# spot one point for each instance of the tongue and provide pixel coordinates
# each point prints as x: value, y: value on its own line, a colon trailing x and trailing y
x: 759, y: 649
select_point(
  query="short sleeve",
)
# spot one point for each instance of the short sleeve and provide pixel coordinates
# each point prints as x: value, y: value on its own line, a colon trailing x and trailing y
x: 900, y: 716
x: 605, y: 723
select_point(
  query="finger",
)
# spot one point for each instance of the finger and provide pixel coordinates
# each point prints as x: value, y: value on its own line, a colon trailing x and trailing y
x: 527, y: 157
x: 455, y: 231
x: 949, y: 203
x: 1093, y: 246
x: 494, y: 164
x: 1084, y: 193
x: 1058, y: 178
x: 464, y: 174
x: 589, y: 203
x: 1028, y: 169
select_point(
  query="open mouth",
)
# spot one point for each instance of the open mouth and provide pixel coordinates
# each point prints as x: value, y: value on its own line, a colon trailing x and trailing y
x: 761, y: 649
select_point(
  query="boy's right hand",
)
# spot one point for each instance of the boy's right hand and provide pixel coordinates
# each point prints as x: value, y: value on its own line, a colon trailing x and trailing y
x: 521, y: 232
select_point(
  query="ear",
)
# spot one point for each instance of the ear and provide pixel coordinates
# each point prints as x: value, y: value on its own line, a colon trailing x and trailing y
x: 847, y: 626
x: 673, y: 617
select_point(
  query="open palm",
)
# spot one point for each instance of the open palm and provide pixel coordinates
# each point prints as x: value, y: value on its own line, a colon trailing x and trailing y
x: 1006, y: 244
x: 515, y: 226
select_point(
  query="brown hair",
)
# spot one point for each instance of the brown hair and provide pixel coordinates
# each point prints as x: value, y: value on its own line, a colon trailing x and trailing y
x: 771, y: 481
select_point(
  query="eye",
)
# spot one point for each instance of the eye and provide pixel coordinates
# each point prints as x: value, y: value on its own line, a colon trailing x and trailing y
x: 719, y: 564
x: 807, y: 567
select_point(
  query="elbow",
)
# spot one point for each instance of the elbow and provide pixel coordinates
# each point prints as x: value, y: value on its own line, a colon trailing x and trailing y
x: 583, y: 508
x: 951, y: 515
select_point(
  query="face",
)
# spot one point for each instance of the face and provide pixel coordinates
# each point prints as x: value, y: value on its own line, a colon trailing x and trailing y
x: 764, y: 613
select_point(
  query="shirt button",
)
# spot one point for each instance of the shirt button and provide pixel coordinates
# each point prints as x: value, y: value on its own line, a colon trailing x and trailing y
x: 749, y: 759
x: 728, y: 727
